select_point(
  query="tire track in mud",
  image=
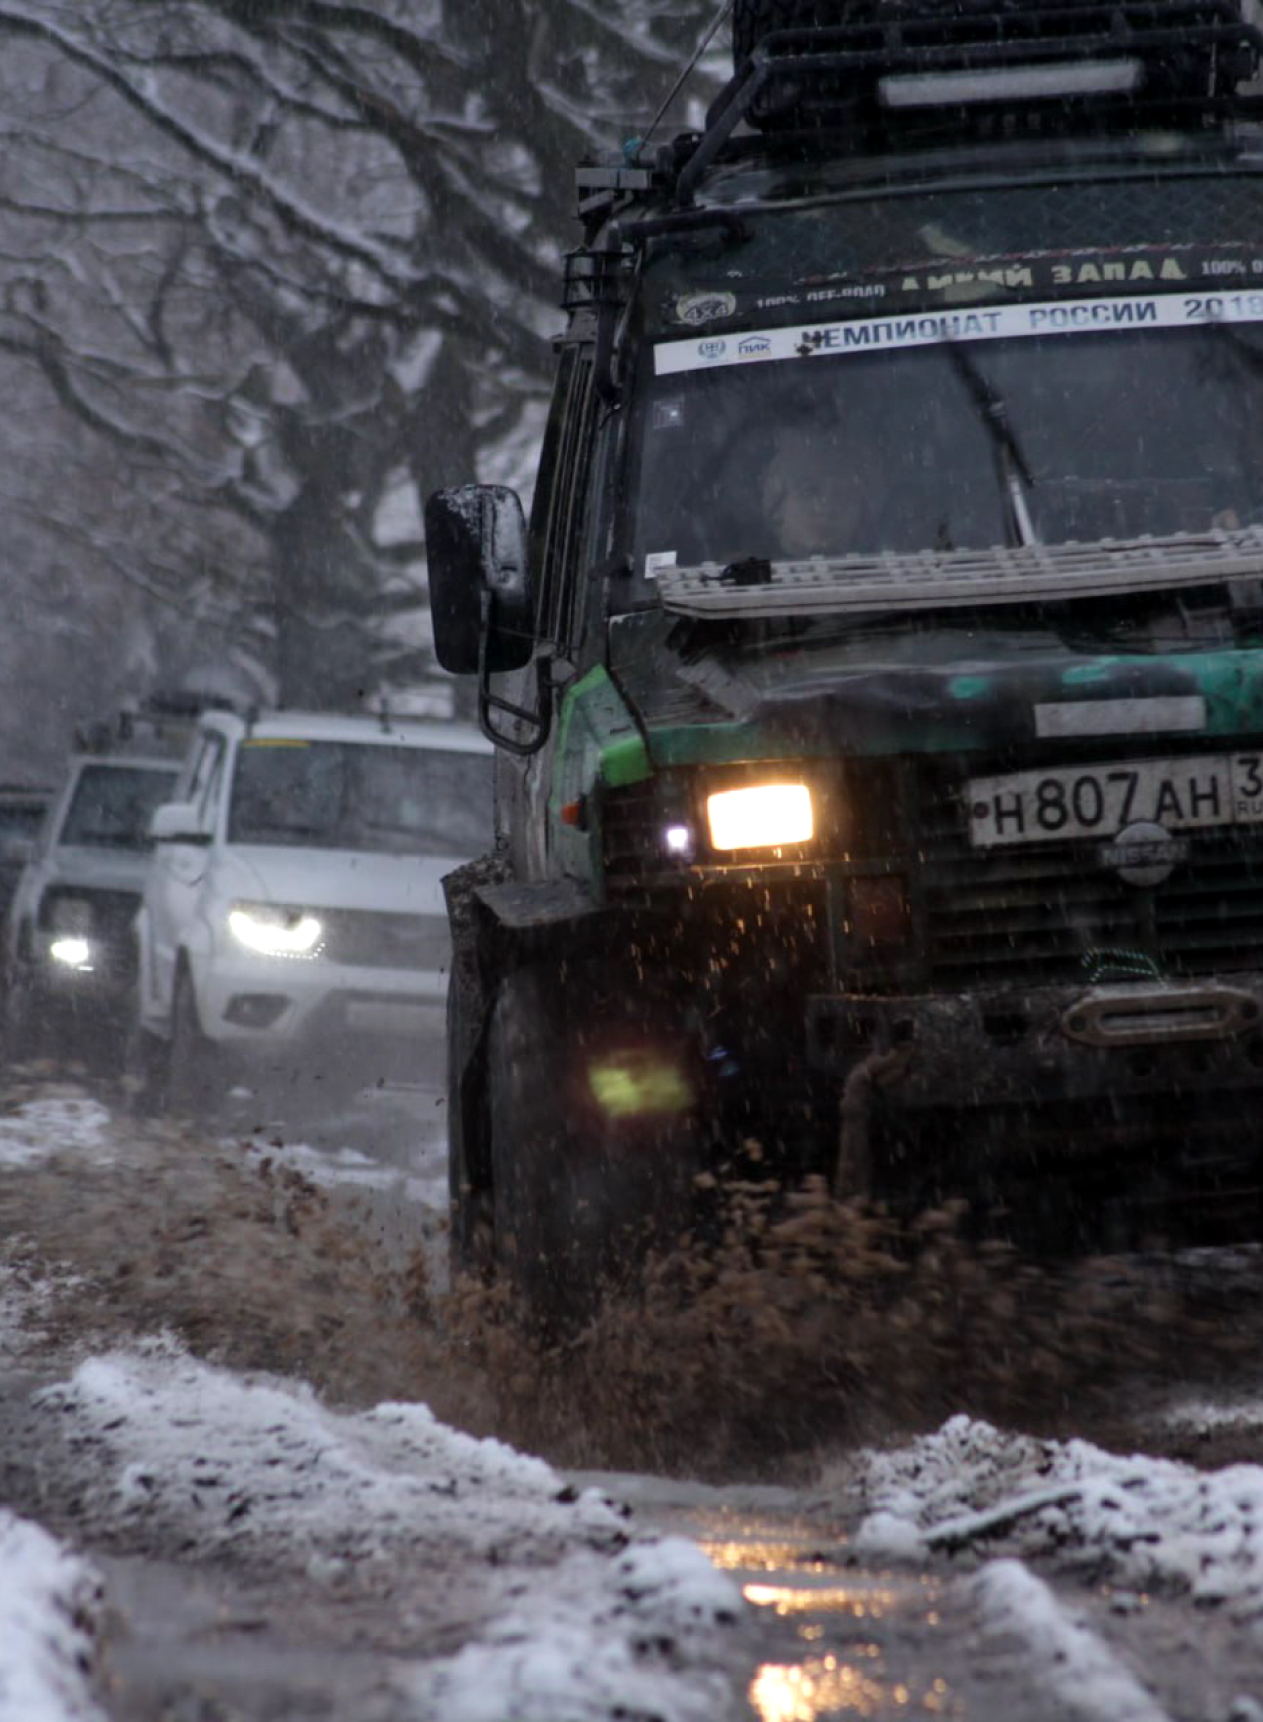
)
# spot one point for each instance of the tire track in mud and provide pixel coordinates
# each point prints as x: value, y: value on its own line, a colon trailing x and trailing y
x: 157, y: 1227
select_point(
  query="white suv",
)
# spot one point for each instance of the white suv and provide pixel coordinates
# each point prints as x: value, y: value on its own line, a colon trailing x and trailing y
x: 69, y: 955
x: 294, y: 910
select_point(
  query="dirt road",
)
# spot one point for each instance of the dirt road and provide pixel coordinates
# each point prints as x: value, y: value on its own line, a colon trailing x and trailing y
x: 964, y: 1486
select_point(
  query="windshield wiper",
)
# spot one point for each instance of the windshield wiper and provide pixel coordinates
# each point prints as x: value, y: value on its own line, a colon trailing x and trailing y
x: 1014, y: 471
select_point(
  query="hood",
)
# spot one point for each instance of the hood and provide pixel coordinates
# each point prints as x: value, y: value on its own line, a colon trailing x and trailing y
x: 335, y: 878
x: 705, y: 694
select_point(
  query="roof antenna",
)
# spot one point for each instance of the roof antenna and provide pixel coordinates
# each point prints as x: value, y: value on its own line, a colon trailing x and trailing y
x: 633, y: 147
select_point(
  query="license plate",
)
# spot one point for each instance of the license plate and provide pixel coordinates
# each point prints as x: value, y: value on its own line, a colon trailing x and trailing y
x: 1101, y: 800
x: 387, y: 1018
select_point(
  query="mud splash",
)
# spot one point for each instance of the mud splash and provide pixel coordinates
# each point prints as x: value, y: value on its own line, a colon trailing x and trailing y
x: 826, y: 1324
x: 246, y: 1261
x: 801, y: 1328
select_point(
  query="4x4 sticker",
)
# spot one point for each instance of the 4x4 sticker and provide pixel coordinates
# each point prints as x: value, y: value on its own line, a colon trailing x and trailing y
x: 711, y: 307
x: 935, y: 328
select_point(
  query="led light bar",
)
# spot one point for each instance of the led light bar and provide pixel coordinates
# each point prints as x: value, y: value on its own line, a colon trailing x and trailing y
x: 1053, y: 82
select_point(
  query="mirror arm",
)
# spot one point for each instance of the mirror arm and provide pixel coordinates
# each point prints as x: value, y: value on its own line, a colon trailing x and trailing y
x: 537, y: 721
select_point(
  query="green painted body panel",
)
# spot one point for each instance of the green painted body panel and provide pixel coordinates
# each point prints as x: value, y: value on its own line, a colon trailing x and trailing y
x: 933, y: 691
x: 951, y: 712
x: 597, y: 742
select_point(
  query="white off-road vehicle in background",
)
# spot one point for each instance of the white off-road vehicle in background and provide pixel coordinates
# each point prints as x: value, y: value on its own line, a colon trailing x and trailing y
x: 293, y: 923
x: 70, y: 961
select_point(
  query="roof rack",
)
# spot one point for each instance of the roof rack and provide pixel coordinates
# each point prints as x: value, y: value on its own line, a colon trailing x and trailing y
x: 1119, y: 60
x: 160, y: 723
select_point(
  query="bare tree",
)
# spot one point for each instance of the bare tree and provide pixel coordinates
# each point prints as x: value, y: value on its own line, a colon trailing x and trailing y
x: 296, y: 260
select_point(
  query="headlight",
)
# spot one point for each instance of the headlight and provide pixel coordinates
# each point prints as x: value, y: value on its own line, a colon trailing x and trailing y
x: 765, y: 816
x: 74, y: 953
x: 276, y: 931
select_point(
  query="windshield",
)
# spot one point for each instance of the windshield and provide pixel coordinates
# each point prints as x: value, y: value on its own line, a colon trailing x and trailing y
x: 1097, y: 435
x: 20, y: 820
x: 112, y: 805
x: 361, y: 796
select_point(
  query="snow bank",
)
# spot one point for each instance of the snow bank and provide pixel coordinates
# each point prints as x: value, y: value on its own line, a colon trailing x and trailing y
x: 39, y: 1129
x: 597, y: 1643
x: 587, y: 1625
x: 262, y: 1467
x: 1077, y: 1670
x: 49, y: 1600
x: 1145, y: 1522
x: 1206, y: 1417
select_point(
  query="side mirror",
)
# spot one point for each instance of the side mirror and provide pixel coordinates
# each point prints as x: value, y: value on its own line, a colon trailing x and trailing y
x: 176, y: 822
x: 475, y: 540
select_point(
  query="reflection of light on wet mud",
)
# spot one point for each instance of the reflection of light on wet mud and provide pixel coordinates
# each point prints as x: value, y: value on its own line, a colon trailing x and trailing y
x: 815, y: 1688
x: 762, y: 1557
x: 851, y: 1680
x: 825, y: 1686
x: 865, y: 1604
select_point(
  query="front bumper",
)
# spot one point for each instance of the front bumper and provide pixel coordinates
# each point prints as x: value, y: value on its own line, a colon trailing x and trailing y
x: 1016, y: 1047
x: 248, y: 1001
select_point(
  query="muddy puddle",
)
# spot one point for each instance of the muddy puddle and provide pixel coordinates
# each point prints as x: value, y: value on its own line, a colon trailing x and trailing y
x: 799, y: 1332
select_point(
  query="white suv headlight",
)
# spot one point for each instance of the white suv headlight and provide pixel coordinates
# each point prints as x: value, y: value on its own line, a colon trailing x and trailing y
x: 73, y: 952
x: 274, y: 930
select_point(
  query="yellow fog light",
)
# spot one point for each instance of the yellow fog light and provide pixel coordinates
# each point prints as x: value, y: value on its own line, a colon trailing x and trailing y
x: 768, y: 816
x: 638, y: 1084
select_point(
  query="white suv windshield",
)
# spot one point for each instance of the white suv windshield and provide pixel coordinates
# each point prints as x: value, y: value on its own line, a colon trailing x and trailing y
x: 362, y: 796
x: 1110, y: 435
x: 112, y: 805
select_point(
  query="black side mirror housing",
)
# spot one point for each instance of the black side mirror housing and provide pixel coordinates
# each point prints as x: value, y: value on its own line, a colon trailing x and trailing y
x: 475, y: 537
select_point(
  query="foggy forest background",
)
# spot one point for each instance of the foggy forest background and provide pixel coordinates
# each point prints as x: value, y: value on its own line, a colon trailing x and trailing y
x: 271, y: 271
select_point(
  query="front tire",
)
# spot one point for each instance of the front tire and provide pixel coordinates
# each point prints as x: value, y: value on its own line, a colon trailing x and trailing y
x: 192, y: 1063
x: 471, y: 1222
x: 146, y: 1070
x: 26, y: 1034
x: 577, y: 1196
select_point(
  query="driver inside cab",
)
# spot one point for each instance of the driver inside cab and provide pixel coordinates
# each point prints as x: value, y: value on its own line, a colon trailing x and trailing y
x: 820, y: 495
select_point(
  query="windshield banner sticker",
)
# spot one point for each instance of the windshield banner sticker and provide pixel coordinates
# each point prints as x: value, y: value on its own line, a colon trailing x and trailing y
x: 943, y: 282
x: 939, y: 328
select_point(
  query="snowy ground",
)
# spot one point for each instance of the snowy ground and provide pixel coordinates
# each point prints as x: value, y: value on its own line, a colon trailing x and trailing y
x: 971, y: 1571
x: 580, y: 1614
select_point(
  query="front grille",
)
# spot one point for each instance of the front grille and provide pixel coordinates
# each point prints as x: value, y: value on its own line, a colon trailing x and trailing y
x: 112, y: 911
x: 631, y: 830
x: 363, y: 938
x: 110, y: 927
x: 1043, y: 914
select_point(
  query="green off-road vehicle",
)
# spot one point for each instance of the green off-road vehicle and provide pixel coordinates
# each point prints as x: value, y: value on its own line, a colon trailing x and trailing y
x: 878, y: 682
